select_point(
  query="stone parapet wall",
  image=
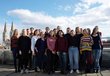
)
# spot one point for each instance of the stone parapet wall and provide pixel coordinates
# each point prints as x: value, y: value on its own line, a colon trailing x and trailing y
x: 6, y: 56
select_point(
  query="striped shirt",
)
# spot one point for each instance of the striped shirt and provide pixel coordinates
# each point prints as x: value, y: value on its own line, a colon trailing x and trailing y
x: 86, y: 43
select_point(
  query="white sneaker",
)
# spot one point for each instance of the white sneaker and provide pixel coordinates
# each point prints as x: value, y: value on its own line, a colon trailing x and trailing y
x: 77, y: 71
x: 38, y: 69
x: 71, y: 71
x: 22, y: 72
x: 26, y: 71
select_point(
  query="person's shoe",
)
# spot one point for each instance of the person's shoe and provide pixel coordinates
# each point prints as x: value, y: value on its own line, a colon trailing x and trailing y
x: 71, y: 71
x: 77, y: 71
x: 26, y: 71
x: 18, y: 70
x: 53, y: 71
x: 38, y: 69
x: 97, y: 71
x: 22, y: 71
x: 35, y: 70
x: 65, y: 72
x: 50, y: 72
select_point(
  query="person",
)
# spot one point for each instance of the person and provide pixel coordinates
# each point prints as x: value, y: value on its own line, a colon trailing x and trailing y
x: 100, y: 34
x: 56, y: 56
x: 24, y: 43
x: 34, y: 51
x: 96, y: 49
x: 41, y: 47
x: 81, y: 30
x: 73, y: 52
x: 31, y: 32
x: 47, y: 29
x: 55, y: 32
x: 28, y: 32
x: 89, y: 31
x: 79, y: 34
x: 51, y: 52
x: 14, y: 49
x: 86, y: 50
x: 58, y: 28
x: 67, y: 35
x: 30, y: 53
x: 61, y: 48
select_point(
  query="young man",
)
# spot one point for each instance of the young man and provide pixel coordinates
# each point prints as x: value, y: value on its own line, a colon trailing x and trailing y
x: 24, y: 44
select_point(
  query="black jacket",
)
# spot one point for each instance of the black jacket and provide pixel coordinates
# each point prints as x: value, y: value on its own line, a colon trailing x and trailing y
x: 24, y: 43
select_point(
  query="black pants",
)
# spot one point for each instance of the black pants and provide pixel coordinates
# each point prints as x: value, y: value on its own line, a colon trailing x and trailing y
x: 41, y: 59
x: 87, y: 60
x: 16, y: 59
x: 24, y: 60
x: 30, y: 60
x: 51, y: 61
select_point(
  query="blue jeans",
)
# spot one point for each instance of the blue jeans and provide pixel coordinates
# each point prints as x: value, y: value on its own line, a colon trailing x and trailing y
x: 96, y: 57
x: 74, y: 58
x: 63, y: 60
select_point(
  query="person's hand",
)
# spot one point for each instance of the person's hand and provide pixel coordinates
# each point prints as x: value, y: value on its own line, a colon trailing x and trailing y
x: 46, y: 53
x: 53, y: 52
x: 57, y: 53
x: 33, y: 53
x: 29, y: 51
x: 20, y: 52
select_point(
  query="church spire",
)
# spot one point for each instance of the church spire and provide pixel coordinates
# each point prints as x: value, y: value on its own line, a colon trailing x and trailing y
x: 4, y: 32
x: 12, y: 29
x: 5, y: 28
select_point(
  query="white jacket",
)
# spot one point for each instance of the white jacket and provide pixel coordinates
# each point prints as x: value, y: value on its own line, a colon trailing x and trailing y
x: 33, y: 42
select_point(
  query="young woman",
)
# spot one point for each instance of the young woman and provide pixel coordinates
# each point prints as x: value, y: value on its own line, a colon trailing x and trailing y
x: 14, y: 49
x: 24, y: 43
x: 73, y: 52
x: 62, y: 49
x: 51, y: 52
x: 34, y: 50
x: 100, y: 34
x: 79, y: 33
x: 86, y: 50
x: 41, y: 48
x: 96, y: 49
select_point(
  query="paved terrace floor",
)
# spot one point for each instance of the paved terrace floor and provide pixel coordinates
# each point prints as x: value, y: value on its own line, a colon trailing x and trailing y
x: 7, y: 70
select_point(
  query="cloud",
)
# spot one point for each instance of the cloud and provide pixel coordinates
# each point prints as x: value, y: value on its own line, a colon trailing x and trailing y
x: 34, y: 18
x: 87, y: 13
x: 65, y: 8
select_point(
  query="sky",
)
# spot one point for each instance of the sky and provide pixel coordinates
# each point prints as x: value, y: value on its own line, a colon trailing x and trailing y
x: 52, y: 13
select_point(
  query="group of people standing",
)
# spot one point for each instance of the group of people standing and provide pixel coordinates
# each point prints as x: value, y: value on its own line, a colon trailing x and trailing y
x: 53, y: 50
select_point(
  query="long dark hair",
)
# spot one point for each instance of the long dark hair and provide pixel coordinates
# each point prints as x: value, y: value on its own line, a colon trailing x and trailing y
x: 93, y: 31
x: 60, y: 31
x: 35, y: 31
x: 14, y: 32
